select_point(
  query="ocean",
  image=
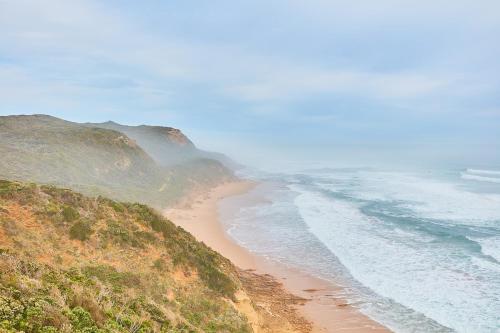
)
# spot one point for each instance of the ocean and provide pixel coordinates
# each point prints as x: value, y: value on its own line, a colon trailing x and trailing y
x: 416, y: 251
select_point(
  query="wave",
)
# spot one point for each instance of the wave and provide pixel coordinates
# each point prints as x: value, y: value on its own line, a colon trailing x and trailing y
x: 483, y: 172
x: 424, y: 272
x: 490, y: 247
x: 416, y: 196
x: 480, y: 178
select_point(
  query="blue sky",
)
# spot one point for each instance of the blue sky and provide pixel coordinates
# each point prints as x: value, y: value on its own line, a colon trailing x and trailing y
x: 338, y: 80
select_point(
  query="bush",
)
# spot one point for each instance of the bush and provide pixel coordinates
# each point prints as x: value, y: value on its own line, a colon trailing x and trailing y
x: 118, y: 207
x: 7, y: 187
x: 82, y: 321
x: 70, y: 214
x: 81, y: 230
x: 160, y: 265
x: 118, y: 233
x: 75, y: 295
x: 109, y: 274
x: 27, y: 315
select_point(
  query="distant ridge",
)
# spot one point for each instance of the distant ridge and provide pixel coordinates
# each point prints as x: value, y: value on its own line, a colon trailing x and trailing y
x: 104, y: 161
x: 166, y: 145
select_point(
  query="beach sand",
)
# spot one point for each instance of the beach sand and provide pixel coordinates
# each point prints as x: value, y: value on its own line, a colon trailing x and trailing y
x: 324, y: 309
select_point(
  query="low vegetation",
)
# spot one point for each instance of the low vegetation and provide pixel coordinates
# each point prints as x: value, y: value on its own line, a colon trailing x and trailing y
x: 70, y: 263
x: 101, y: 161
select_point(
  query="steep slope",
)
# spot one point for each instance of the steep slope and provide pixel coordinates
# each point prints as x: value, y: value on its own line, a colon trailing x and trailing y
x: 96, y: 161
x: 79, y: 264
x: 166, y: 145
x: 70, y: 263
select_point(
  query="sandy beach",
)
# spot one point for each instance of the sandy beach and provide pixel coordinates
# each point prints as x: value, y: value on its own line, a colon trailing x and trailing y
x: 325, y: 308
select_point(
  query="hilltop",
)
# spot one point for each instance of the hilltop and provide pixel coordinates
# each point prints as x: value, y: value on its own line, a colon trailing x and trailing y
x: 104, y: 161
x: 166, y: 145
x: 72, y: 262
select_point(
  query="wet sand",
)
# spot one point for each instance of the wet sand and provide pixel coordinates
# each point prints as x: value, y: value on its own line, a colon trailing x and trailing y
x: 325, y: 308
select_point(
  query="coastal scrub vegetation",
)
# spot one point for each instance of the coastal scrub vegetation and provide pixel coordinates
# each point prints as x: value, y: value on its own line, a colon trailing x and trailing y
x: 71, y: 263
x: 102, y: 161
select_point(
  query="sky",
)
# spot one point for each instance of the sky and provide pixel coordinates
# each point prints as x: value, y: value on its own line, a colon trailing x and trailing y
x: 344, y: 81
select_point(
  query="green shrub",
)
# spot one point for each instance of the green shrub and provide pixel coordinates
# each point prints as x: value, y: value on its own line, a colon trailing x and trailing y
x: 96, y: 297
x: 218, y: 281
x: 81, y: 230
x: 145, y: 237
x: 116, y: 232
x: 199, y: 311
x: 118, y: 207
x: 70, y: 214
x: 7, y: 187
x: 27, y: 315
x: 109, y: 274
x: 119, y: 233
x: 82, y: 321
x: 160, y: 265
x: 51, y: 209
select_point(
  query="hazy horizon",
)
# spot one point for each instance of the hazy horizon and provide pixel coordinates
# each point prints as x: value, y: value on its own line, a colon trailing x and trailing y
x: 350, y: 83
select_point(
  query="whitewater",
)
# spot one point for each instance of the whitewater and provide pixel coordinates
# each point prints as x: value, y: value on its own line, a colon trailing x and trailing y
x: 416, y: 251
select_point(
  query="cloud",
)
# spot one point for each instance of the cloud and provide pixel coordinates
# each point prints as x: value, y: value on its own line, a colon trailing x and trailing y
x: 236, y: 66
x: 75, y: 40
x: 469, y: 13
x: 292, y: 84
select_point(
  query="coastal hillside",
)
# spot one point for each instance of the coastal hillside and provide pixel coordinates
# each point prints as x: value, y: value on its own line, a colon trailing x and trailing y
x: 79, y: 264
x: 71, y: 263
x: 100, y: 161
x: 166, y: 145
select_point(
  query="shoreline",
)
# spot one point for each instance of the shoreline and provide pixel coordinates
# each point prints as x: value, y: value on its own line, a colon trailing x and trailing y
x: 325, y: 308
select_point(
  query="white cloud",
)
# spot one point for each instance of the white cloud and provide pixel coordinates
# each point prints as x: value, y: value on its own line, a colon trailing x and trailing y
x: 84, y: 31
x: 66, y: 47
x: 353, y: 14
x: 291, y: 84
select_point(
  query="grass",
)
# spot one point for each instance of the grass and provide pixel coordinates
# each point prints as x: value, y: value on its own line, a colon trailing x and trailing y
x: 96, y: 265
x: 96, y: 161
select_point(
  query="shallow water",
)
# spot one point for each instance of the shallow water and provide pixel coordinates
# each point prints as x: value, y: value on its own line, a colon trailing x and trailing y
x: 418, y: 252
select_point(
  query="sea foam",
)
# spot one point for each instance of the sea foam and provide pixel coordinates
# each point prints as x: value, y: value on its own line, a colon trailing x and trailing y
x: 480, y: 178
x: 484, y: 172
x: 406, y: 238
x: 417, y: 252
